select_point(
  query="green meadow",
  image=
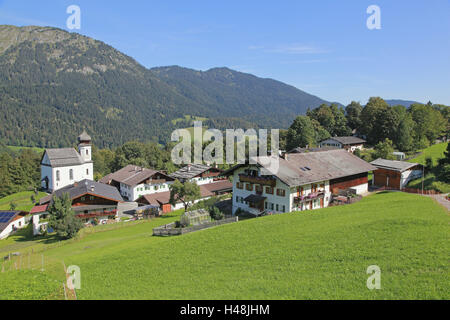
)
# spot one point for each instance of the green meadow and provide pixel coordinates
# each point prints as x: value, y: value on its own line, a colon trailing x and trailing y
x: 21, y: 199
x: 321, y: 254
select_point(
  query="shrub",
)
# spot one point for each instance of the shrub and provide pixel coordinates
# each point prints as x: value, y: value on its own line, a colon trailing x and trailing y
x: 215, y: 213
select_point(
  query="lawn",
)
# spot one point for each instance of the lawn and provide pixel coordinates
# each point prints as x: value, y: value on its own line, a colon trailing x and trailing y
x: 321, y: 254
x: 21, y: 199
x: 18, y: 149
x: 431, y: 181
x: 435, y: 151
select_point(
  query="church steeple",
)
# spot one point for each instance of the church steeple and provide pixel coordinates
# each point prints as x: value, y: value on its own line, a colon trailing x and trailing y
x: 84, y: 138
x: 85, y: 146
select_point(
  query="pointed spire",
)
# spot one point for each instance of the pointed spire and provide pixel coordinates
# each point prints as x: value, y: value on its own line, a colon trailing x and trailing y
x: 84, y: 137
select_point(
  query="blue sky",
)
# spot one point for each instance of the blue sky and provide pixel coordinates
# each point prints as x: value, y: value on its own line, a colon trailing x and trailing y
x: 322, y: 47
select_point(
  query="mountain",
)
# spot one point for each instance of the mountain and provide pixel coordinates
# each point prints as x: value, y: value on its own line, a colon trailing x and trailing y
x: 54, y: 84
x: 395, y: 102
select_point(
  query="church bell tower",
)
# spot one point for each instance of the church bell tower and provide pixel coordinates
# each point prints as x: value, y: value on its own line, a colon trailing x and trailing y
x: 85, y: 146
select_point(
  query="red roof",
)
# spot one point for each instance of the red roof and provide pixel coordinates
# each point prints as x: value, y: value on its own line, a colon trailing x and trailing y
x: 206, y: 190
x: 39, y: 209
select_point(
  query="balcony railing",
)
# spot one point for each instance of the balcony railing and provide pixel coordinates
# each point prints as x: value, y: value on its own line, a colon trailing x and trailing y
x: 269, y: 181
x: 97, y: 214
x: 310, y: 197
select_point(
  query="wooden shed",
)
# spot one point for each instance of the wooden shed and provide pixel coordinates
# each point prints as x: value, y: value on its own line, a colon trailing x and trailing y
x: 395, y: 174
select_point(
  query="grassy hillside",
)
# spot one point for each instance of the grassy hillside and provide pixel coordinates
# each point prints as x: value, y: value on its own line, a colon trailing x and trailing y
x: 321, y: 254
x: 21, y: 199
x: 431, y: 181
x: 435, y: 151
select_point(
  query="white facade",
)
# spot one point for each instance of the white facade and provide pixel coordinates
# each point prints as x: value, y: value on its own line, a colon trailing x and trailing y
x: 134, y: 193
x: 275, y: 203
x: 333, y: 143
x: 14, y: 225
x: 409, y: 175
x: 60, y: 176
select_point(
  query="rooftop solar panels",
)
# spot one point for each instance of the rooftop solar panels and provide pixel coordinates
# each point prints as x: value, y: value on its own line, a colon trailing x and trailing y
x: 5, y: 216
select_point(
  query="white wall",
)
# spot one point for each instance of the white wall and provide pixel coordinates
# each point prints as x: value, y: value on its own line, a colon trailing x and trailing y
x: 330, y: 143
x: 19, y: 224
x: 281, y: 201
x: 80, y: 172
x: 409, y: 175
x: 306, y: 191
x: 134, y: 193
x: 361, y: 189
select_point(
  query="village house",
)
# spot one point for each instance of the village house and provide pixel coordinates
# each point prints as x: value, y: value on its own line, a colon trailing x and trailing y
x: 134, y: 182
x: 395, y: 174
x: 303, y: 181
x: 207, y: 178
x: 11, y: 221
x: 350, y: 143
x: 90, y: 200
x: 65, y: 166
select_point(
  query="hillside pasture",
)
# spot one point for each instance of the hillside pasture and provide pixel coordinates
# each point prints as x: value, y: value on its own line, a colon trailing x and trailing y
x: 321, y: 254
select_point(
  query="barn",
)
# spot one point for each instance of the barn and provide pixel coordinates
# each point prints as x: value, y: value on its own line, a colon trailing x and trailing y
x: 395, y: 174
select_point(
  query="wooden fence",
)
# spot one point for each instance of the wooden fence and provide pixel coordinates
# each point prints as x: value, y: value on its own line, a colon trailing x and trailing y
x: 410, y: 190
x: 170, y: 230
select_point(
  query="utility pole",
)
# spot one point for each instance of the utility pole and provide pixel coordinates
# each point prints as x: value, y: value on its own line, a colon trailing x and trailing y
x: 423, y: 176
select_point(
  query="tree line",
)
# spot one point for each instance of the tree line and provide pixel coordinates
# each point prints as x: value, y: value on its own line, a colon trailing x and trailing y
x: 408, y: 129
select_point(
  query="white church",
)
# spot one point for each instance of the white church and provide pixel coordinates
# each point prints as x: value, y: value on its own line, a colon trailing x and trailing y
x: 65, y: 166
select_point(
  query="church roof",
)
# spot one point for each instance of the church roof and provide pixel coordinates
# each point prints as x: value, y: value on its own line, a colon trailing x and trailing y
x: 84, y: 136
x: 63, y: 157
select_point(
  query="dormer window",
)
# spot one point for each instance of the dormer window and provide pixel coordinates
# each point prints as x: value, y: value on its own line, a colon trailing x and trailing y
x: 58, y: 178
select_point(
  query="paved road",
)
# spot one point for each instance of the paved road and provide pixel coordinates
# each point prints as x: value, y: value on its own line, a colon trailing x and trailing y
x: 441, y: 200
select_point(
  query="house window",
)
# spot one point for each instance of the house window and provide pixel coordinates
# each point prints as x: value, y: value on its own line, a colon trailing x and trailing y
x: 71, y: 174
x: 258, y: 188
x: 277, y: 207
x: 265, y: 205
x: 271, y: 206
x: 284, y: 208
x: 87, y: 152
x: 57, y: 175
x: 239, y: 185
x: 269, y: 190
x: 249, y: 187
x: 237, y: 199
x: 87, y: 172
x: 281, y: 192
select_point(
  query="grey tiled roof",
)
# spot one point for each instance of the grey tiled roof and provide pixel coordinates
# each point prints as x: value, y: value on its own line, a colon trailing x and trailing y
x: 393, y: 164
x: 303, y: 168
x: 63, y: 157
x: 190, y: 171
x: 84, y: 136
x: 86, y: 186
x: 132, y: 175
x: 348, y: 140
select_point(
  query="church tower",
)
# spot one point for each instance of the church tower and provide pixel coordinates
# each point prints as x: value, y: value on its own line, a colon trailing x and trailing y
x: 85, y: 146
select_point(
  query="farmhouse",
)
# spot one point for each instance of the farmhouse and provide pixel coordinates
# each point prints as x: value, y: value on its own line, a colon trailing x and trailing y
x: 395, y: 174
x: 199, y: 173
x: 10, y: 221
x: 350, y: 143
x: 134, y: 182
x: 162, y: 199
x: 63, y: 167
x: 90, y: 200
x: 302, y: 181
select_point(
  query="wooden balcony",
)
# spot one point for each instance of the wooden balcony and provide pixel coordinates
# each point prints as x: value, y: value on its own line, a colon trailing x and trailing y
x: 268, y: 181
x: 310, y: 197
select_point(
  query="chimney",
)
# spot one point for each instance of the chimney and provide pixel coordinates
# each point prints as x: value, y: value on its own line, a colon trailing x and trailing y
x: 188, y: 167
